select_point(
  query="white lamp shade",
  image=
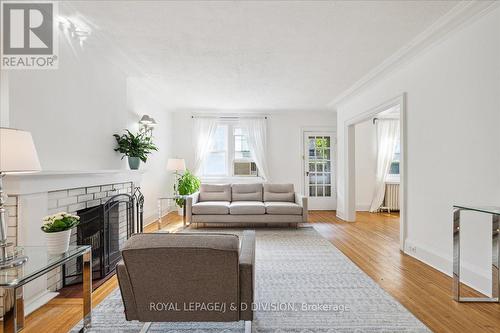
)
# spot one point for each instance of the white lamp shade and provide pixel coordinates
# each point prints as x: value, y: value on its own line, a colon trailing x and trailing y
x: 176, y: 164
x: 17, y: 151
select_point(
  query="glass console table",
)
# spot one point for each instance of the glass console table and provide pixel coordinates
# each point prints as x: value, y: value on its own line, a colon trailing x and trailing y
x: 495, y: 276
x: 39, y: 263
x: 169, y: 199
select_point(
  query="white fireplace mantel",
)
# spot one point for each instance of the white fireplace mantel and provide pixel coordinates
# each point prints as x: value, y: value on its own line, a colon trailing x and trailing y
x: 32, y: 192
x: 48, y: 181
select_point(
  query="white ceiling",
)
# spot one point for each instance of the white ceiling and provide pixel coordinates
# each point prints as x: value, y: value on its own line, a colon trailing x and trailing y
x: 236, y: 55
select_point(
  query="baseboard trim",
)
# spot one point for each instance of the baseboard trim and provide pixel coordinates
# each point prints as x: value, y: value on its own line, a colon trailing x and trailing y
x: 363, y: 207
x: 471, y: 275
x: 151, y: 218
x: 38, y: 301
x: 154, y: 217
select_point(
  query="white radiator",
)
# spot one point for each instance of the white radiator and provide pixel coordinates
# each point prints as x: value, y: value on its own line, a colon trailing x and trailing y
x: 391, y: 200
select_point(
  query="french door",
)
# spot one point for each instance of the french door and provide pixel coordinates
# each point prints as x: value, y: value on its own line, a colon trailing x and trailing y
x: 319, y: 170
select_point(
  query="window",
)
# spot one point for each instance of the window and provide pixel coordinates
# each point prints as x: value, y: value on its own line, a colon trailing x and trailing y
x: 229, y: 154
x: 241, y: 150
x: 215, y: 163
x: 243, y: 165
x: 394, y: 168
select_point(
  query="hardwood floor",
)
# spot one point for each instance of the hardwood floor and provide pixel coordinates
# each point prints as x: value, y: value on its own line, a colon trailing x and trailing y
x: 372, y: 243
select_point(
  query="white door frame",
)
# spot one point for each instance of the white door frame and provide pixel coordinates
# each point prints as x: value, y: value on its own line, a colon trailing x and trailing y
x: 350, y: 196
x: 333, y: 146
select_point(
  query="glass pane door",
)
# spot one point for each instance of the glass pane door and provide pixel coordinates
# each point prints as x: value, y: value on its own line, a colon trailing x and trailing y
x: 320, y: 166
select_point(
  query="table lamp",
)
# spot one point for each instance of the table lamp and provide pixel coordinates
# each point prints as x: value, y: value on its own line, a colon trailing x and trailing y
x: 176, y: 165
x: 17, y: 155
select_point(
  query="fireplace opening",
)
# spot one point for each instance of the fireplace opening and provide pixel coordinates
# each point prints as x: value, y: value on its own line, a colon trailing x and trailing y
x: 105, y: 227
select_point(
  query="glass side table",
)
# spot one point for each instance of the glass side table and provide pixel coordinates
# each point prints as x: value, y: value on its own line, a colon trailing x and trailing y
x: 495, y: 276
x: 39, y: 263
x: 169, y: 199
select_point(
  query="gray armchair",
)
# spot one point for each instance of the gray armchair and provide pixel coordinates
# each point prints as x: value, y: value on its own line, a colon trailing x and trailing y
x: 172, y: 277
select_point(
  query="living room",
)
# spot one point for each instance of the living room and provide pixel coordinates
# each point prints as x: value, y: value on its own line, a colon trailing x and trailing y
x: 335, y: 145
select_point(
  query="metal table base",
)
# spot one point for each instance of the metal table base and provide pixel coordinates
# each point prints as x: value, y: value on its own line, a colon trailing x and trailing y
x: 495, y: 285
x: 13, y: 319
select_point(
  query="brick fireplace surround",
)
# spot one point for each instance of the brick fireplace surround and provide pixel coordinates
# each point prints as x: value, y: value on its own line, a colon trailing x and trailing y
x: 33, y: 196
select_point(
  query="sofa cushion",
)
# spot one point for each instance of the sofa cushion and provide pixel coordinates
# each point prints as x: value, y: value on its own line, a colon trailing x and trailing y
x: 247, y: 208
x: 279, y: 192
x: 211, y: 208
x: 214, y: 192
x: 246, y: 192
x: 283, y: 208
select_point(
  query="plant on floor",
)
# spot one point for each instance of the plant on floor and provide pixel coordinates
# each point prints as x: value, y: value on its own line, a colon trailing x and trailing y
x: 186, y: 184
x: 136, y: 147
x: 60, y: 222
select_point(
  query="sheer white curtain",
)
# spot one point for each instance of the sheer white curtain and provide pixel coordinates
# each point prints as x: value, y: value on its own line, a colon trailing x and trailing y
x: 204, y: 131
x: 257, y: 142
x: 387, y: 137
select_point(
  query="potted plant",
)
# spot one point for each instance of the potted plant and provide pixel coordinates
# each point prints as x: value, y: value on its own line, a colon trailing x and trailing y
x: 186, y: 184
x: 57, y: 229
x: 136, y: 147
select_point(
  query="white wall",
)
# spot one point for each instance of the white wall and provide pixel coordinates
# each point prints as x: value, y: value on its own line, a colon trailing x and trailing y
x: 156, y: 181
x: 4, y: 98
x: 366, y: 164
x: 285, y: 141
x: 73, y: 112
x: 453, y: 113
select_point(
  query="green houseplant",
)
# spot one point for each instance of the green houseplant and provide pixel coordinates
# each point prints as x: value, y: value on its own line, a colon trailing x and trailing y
x: 57, y: 229
x: 186, y: 184
x: 136, y: 147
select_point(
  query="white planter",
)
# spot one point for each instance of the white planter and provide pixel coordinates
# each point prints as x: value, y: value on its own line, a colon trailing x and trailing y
x: 58, y: 242
x: 180, y: 211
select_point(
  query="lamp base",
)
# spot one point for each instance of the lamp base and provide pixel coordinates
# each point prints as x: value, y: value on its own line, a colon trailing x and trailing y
x: 13, y: 262
x: 10, y: 260
x: 7, y: 261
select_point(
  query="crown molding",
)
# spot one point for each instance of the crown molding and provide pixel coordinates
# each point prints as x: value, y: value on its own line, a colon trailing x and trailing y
x: 453, y: 20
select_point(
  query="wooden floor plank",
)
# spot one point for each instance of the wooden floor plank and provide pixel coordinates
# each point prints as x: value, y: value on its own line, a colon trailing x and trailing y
x: 372, y: 243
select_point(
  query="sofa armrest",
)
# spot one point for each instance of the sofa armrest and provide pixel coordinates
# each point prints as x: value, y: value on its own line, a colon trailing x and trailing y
x: 247, y: 274
x: 126, y: 291
x: 301, y: 200
x: 190, y: 201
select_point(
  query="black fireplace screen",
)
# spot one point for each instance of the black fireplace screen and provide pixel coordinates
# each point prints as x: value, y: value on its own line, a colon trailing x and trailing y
x: 105, y: 228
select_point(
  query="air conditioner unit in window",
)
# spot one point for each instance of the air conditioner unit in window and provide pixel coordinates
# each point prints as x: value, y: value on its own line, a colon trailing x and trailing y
x: 245, y: 169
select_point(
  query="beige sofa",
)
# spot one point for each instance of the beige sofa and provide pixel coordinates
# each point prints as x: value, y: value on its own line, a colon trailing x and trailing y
x: 246, y: 203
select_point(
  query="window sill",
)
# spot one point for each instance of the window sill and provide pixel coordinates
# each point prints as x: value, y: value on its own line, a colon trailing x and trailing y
x: 232, y: 180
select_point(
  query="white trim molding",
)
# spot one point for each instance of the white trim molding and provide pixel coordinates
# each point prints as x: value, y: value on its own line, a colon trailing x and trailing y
x: 46, y: 181
x: 471, y: 275
x: 462, y: 13
x: 349, y: 188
